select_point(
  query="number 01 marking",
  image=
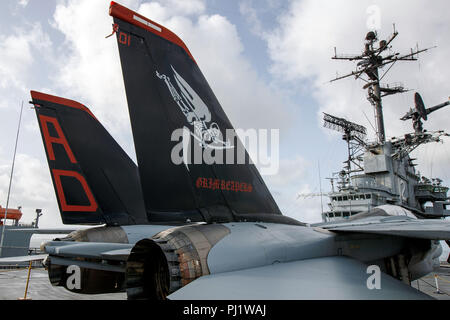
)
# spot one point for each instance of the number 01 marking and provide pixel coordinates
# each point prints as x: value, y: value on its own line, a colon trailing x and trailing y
x: 124, y: 38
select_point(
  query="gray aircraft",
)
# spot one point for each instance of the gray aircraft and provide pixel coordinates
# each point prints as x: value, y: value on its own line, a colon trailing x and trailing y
x: 187, y: 230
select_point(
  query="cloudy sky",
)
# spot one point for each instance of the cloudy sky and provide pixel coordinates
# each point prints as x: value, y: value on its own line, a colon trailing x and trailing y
x: 268, y: 61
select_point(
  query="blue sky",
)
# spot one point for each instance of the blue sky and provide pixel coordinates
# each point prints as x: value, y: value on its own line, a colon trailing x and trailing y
x: 268, y: 62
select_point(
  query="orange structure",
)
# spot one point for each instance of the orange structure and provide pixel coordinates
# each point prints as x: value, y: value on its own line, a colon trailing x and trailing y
x: 13, y: 214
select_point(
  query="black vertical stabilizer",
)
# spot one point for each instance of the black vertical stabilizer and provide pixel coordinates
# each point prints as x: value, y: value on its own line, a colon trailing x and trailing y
x: 94, y: 179
x: 167, y: 91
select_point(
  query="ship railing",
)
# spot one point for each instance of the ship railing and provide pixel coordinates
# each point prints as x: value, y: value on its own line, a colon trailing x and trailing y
x: 27, y: 225
x: 392, y: 85
x: 432, y: 188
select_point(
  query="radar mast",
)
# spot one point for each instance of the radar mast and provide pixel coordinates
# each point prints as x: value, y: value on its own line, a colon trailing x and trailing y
x: 382, y: 172
x: 368, y: 69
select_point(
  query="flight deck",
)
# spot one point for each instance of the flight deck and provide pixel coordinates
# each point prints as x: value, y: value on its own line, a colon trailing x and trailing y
x: 13, y: 284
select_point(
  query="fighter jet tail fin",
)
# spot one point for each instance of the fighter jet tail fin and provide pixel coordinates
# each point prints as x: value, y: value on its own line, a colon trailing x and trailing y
x: 94, y: 179
x: 189, y: 157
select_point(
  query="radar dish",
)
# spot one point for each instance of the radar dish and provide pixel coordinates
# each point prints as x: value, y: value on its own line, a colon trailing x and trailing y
x: 420, y: 106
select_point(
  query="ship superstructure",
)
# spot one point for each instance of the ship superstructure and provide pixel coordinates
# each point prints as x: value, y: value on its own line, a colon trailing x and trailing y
x: 16, y: 235
x: 382, y: 172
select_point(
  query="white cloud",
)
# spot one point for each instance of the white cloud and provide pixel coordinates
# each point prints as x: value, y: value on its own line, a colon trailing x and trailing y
x: 20, y: 54
x: 31, y: 188
x: 303, y: 208
x: 291, y: 172
x: 163, y: 10
x: 23, y: 3
x: 90, y: 69
x: 302, y: 45
x: 215, y: 44
x: 17, y: 54
x: 251, y: 15
x: 89, y: 63
x: 291, y: 181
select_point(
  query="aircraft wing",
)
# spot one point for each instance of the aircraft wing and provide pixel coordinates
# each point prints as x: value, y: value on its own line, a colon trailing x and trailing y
x: 43, y: 231
x: 99, y: 250
x: 18, y: 259
x: 328, y: 278
x: 401, y: 226
x: 102, y: 256
x: 92, y: 255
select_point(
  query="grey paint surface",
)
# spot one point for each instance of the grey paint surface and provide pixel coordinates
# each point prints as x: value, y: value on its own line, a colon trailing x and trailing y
x: 397, y: 226
x: 19, y: 259
x: 252, y: 245
x: 326, y: 278
x: 43, y: 231
x: 15, y: 243
x: 139, y: 232
x: 83, y: 249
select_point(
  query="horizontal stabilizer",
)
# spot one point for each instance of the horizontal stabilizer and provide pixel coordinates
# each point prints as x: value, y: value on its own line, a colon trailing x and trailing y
x: 396, y: 226
x: 92, y: 250
x: 86, y: 264
x: 20, y: 259
x: 43, y: 231
x: 102, y: 256
x: 330, y: 278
